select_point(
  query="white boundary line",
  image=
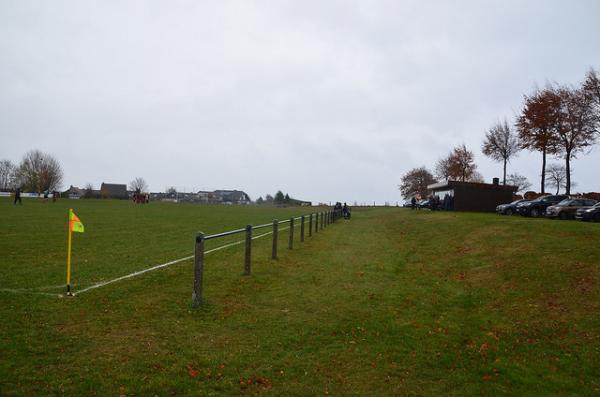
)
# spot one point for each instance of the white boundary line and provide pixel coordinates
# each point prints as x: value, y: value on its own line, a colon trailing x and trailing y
x: 29, y: 292
x: 134, y: 274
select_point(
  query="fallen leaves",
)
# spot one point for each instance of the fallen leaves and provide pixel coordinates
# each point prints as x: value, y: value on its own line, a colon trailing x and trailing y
x: 258, y: 383
x: 193, y: 373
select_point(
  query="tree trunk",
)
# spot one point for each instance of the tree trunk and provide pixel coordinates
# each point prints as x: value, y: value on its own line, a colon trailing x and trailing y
x: 568, y: 172
x: 504, y: 178
x: 543, y: 170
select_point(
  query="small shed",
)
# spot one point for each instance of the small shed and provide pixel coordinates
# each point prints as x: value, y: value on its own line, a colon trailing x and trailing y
x: 472, y: 196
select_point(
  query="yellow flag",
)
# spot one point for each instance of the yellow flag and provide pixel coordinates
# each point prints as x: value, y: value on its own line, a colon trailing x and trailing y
x: 75, y: 224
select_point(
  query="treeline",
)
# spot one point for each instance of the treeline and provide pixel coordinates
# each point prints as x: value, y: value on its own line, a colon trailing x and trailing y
x: 558, y: 120
x: 37, y: 172
x: 278, y: 199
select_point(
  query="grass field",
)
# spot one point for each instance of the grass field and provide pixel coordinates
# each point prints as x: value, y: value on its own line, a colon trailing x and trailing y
x: 394, y: 302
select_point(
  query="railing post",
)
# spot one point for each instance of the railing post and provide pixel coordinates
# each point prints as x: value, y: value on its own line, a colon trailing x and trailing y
x: 316, y: 222
x: 248, y: 257
x: 310, y: 225
x: 275, y: 227
x: 302, y: 228
x: 198, y: 270
x: 322, y: 220
x: 291, y: 240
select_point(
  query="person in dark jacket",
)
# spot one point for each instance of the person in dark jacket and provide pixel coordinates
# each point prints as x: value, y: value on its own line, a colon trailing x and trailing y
x: 413, y: 203
x: 346, y: 211
x: 18, y: 196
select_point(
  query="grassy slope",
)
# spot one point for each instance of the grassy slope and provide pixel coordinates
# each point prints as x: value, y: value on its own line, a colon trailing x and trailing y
x: 393, y: 302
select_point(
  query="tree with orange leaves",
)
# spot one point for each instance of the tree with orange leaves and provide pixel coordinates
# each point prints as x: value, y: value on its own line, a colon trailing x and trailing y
x: 538, y: 124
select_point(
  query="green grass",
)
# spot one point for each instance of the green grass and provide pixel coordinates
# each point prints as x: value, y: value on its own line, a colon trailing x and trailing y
x: 394, y: 302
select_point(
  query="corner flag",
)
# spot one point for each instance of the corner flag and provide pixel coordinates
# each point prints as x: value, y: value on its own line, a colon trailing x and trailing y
x: 75, y: 225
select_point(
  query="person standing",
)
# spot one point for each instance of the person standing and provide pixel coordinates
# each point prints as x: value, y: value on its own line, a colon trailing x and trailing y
x: 18, y: 196
x: 413, y: 202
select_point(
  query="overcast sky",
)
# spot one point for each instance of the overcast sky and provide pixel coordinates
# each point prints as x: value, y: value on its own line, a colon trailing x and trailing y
x: 325, y: 100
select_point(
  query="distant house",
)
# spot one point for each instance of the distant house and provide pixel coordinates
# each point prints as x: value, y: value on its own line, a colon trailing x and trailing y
x: 301, y: 203
x: 114, y: 190
x: 231, y: 197
x: 203, y: 196
x: 73, y: 192
x: 223, y: 197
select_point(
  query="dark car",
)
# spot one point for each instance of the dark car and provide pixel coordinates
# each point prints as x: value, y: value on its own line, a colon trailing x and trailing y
x: 566, y: 209
x: 538, y: 206
x: 589, y: 214
x: 510, y: 208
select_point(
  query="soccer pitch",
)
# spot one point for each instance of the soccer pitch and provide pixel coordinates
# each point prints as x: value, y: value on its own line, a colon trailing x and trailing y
x: 392, y: 302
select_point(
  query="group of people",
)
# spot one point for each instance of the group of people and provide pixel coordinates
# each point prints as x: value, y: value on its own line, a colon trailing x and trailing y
x: 141, y: 198
x: 434, y: 203
x: 46, y: 194
x: 345, y: 210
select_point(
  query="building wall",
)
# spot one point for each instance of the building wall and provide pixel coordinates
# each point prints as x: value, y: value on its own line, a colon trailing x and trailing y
x: 469, y: 198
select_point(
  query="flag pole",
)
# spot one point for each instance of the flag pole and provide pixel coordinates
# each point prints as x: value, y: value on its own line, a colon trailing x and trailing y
x: 69, y: 258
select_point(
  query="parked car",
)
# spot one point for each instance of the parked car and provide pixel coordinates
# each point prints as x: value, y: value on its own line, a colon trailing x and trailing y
x: 538, y: 206
x: 589, y: 214
x: 424, y: 204
x: 510, y: 208
x: 566, y: 209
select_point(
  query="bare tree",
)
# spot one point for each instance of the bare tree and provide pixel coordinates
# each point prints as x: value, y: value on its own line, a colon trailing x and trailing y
x: 415, y: 182
x: 519, y: 181
x: 500, y: 144
x: 442, y: 169
x: 557, y: 176
x: 39, y: 172
x: 7, y: 175
x: 577, y: 126
x: 138, y: 185
x: 476, y: 177
x: 88, y: 191
x: 591, y: 88
x: 537, y: 125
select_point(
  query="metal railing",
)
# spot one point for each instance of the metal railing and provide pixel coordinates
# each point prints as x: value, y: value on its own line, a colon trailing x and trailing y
x: 321, y: 220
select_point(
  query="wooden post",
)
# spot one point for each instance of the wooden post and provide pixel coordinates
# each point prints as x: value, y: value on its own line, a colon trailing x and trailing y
x: 275, y: 227
x: 310, y: 225
x: 316, y: 222
x: 198, y: 270
x: 248, y: 258
x: 291, y: 241
x: 322, y: 220
x: 302, y: 228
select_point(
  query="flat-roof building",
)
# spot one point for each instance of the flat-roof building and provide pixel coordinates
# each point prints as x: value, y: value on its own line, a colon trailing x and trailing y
x: 472, y: 196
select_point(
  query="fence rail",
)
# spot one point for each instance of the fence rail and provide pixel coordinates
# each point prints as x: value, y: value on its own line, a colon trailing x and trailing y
x: 326, y: 218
